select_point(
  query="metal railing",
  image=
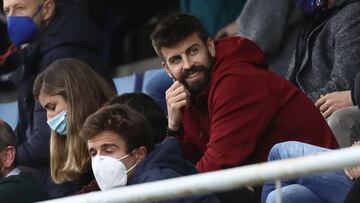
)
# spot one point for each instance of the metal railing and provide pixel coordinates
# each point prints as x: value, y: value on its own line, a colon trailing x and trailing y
x: 225, y: 179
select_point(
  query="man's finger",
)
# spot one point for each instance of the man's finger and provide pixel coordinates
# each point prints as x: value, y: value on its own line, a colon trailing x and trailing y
x: 352, y: 172
x: 175, y: 89
x: 324, y: 107
x: 348, y: 174
x: 179, y: 97
x: 357, y: 172
x: 320, y: 102
x: 328, y: 112
x: 175, y: 86
x: 178, y: 105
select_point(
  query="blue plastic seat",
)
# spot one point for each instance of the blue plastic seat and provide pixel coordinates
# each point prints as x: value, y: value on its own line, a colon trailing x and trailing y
x: 155, y: 84
x: 127, y: 84
x: 9, y: 113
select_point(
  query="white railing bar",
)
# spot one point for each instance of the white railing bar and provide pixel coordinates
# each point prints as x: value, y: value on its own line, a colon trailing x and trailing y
x: 223, y: 180
x: 278, y: 191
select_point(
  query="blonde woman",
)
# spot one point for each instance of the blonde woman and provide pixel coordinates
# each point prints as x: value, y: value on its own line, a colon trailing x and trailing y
x: 69, y: 90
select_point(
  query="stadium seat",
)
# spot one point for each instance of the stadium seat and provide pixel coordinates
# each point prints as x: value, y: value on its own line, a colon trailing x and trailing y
x: 131, y: 83
x: 155, y: 84
x: 9, y: 113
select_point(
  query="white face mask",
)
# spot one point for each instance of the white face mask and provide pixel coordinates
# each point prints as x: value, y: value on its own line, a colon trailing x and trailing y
x: 110, y: 172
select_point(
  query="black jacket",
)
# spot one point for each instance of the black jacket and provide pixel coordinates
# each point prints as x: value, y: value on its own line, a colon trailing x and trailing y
x: 69, y: 35
x: 21, y: 188
x: 354, y: 194
x: 165, y: 162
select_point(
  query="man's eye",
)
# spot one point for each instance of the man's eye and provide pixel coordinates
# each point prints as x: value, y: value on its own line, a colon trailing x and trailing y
x: 194, y: 51
x: 108, y: 151
x: 6, y: 12
x: 20, y: 8
x: 174, y: 60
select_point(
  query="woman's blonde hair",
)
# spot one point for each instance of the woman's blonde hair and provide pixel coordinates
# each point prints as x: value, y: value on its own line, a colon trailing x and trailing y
x: 85, y: 91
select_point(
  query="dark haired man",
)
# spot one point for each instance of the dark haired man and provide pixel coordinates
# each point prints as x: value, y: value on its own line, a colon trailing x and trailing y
x: 146, y: 106
x: 121, y: 145
x: 14, y: 185
x: 231, y: 109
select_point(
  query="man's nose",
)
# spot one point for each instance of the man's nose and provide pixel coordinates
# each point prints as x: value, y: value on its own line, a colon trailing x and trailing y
x: 10, y: 12
x: 187, y: 63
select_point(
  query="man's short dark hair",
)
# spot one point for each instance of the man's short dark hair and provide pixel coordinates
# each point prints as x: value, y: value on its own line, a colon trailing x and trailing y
x: 129, y: 124
x: 145, y: 105
x: 173, y: 29
x: 7, y: 136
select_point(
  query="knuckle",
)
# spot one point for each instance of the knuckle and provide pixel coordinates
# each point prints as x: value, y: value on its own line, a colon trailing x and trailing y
x: 168, y: 99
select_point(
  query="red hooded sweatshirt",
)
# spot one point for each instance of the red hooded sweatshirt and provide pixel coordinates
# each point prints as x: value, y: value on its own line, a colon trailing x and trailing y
x: 245, y: 110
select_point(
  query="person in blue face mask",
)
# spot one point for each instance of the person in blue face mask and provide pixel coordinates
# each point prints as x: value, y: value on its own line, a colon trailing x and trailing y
x: 24, y: 22
x: 43, y: 32
x: 69, y: 91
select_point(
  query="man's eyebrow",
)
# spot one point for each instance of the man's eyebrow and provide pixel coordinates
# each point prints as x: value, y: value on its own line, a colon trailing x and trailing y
x: 108, y: 145
x: 7, y: 7
x: 192, y: 46
x: 175, y: 56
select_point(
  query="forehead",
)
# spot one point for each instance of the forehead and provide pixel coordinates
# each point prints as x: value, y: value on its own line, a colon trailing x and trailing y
x: 10, y: 3
x: 107, y: 138
x: 182, y: 46
x: 45, y: 98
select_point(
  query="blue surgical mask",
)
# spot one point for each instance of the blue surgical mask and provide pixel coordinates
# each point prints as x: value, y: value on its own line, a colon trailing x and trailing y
x: 58, y: 123
x: 22, y: 29
x: 311, y: 6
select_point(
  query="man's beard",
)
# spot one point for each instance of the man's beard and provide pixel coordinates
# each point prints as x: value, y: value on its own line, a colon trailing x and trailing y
x: 200, y: 85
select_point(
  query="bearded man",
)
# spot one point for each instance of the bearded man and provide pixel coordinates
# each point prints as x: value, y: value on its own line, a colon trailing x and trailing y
x: 225, y: 106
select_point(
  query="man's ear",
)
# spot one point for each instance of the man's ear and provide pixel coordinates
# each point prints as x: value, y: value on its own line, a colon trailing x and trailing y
x: 9, y: 158
x: 166, y: 68
x: 211, y: 46
x: 48, y: 9
x: 141, y: 153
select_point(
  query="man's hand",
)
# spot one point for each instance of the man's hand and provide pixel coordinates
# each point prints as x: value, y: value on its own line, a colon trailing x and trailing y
x: 228, y: 31
x: 353, y: 172
x: 177, y: 97
x: 331, y: 102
